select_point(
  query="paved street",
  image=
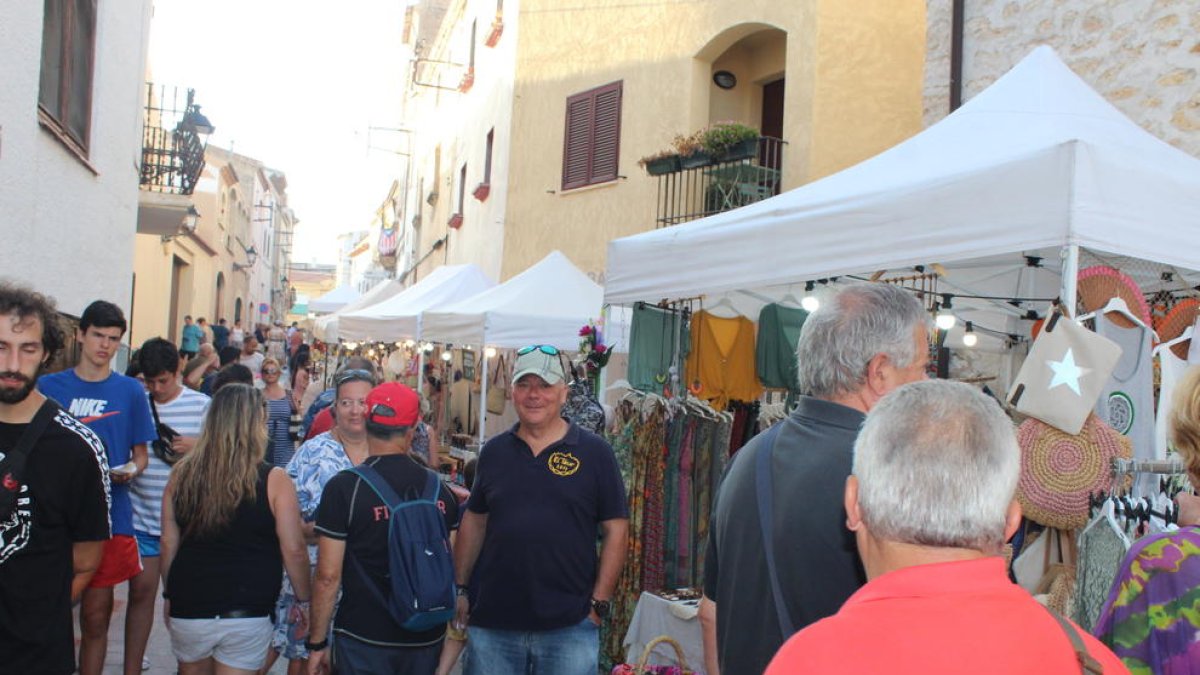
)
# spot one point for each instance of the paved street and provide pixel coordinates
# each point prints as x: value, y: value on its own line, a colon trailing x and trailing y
x: 162, y: 661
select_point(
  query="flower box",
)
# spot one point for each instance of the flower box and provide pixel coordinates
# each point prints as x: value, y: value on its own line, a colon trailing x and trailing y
x: 747, y: 149
x: 455, y: 221
x: 662, y: 165
x: 468, y: 79
x: 695, y: 160
x: 482, y: 191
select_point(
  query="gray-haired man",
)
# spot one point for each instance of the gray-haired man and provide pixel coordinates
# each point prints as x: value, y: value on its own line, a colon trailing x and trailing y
x: 931, y: 505
x: 866, y: 341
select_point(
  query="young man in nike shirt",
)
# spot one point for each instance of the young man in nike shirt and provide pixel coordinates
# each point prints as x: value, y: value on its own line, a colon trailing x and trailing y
x: 115, y: 407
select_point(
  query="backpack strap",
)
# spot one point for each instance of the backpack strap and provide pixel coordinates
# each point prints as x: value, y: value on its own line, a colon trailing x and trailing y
x: 37, y: 426
x: 1088, y: 665
x: 378, y: 484
x: 763, y: 488
x: 433, y: 486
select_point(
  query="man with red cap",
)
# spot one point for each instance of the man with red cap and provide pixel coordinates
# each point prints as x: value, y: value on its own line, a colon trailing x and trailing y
x: 352, y: 527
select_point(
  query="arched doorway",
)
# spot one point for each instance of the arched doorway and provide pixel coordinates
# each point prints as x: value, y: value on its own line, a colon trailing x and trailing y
x: 237, y: 310
x: 219, y: 310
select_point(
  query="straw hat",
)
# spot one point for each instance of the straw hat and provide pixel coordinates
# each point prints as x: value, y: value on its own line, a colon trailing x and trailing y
x: 1099, y: 284
x: 1171, y: 326
x: 1059, y: 471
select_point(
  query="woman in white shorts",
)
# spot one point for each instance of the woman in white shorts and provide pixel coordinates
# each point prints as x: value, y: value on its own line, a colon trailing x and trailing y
x: 230, y: 526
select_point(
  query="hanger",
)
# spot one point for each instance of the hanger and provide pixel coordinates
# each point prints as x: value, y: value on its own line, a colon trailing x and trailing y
x: 724, y: 303
x: 789, y: 299
x: 1115, y: 304
x: 1187, y: 336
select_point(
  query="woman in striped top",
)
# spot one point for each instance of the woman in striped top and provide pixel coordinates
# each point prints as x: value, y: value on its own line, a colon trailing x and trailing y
x: 279, y: 413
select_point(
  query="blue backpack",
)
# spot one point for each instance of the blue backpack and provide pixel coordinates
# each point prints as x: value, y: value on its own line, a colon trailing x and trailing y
x: 420, y: 591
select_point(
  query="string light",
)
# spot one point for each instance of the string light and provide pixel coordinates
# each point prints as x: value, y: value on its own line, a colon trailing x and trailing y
x: 490, y: 352
x: 945, y: 317
x: 810, y: 303
x: 970, y: 339
x: 410, y: 343
x: 446, y: 355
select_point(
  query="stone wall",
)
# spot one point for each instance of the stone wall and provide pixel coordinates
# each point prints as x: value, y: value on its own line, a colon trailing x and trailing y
x: 1142, y: 55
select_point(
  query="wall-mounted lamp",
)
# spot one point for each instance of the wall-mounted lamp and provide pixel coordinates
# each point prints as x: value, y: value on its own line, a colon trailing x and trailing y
x: 251, y: 258
x: 191, y: 220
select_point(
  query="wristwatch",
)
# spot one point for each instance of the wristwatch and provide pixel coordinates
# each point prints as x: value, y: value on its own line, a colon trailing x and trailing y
x: 316, y: 646
x: 459, y: 590
x: 601, y: 607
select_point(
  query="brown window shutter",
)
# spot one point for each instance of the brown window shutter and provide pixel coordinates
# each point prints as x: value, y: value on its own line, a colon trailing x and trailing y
x: 577, y: 150
x: 592, y: 139
x: 606, y: 137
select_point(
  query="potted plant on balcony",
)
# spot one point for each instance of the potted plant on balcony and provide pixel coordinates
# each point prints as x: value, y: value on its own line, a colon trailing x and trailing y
x: 659, y: 163
x: 692, y: 153
x: 728, y: 141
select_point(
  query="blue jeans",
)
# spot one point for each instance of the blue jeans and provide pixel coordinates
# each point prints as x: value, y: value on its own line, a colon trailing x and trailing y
x: 574, y: 650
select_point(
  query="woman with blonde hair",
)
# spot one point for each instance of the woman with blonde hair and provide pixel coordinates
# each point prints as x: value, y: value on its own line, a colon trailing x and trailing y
x: 230, y: 526
x: 279, y: 413
x: 1149, y: 620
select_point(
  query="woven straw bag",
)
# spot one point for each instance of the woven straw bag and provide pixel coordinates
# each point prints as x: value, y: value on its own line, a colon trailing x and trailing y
x: 640, y: 668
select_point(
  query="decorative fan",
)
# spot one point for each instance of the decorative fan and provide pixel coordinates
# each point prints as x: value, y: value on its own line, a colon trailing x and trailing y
x: 1171, y: 326
x: 1099, y: 284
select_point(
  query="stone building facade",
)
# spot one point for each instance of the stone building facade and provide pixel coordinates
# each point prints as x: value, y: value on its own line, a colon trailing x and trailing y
x: 1142, y: 55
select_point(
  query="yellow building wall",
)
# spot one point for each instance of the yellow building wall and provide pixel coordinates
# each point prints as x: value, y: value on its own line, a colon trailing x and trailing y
x: 854, y: 73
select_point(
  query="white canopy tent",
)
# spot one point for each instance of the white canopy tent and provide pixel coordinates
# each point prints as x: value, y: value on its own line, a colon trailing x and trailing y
x: 326, y: 327
x: 1039, y: 163
x: 400, y: 316
x: 335, y: 299
x: 546, y: 304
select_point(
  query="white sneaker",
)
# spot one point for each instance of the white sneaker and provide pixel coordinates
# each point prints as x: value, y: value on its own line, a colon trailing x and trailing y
x: 145, y: 663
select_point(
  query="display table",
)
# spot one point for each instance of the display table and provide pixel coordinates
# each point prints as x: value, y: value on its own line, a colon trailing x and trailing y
x: 656, y: 616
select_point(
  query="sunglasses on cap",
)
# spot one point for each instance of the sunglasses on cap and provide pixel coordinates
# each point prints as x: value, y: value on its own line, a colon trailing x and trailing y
x: 545, y: 349
x: 381, y: 410
x: 354, y: 374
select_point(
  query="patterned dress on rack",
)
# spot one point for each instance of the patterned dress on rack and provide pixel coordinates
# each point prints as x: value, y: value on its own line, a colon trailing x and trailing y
x: 1150, y: 619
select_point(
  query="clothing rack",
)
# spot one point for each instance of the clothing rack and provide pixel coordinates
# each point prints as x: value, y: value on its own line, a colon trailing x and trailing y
x: 1126, y: 467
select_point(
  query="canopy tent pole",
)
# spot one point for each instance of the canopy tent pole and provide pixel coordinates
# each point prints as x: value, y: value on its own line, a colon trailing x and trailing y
x: 1070, y: 278
x: 483, y: 396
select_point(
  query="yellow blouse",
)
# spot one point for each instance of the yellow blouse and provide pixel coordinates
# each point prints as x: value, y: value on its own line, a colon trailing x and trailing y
x: 720, y: 367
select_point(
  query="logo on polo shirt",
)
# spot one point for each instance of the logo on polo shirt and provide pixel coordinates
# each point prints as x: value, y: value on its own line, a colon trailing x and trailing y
x: 563, y: 464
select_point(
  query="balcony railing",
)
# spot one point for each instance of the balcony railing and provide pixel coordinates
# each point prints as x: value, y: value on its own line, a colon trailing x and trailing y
x: 695, y: 192
x: 173, y: 141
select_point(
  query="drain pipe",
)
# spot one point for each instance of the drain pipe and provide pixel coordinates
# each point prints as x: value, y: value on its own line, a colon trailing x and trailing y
x: 956, y: 54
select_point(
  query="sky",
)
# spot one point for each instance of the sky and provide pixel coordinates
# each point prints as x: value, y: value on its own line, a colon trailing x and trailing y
x: 296, y: 85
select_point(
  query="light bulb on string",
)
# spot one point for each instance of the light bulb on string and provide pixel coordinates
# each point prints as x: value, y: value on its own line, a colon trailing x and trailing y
x: 970, y: 339
x: 810, y: 303
x: 490, y: 352
x: 945, y: 316
x: 446, y: 355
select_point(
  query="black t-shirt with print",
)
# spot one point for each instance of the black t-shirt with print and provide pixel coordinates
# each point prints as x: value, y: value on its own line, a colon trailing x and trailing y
x: 66, y: 478
x: 351, y: 511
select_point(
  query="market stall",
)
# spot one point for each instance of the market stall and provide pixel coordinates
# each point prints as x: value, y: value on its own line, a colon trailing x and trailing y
x: 334, y: 300
x: 988, y: 215
x: 326, y: 327
x: 399, y: 317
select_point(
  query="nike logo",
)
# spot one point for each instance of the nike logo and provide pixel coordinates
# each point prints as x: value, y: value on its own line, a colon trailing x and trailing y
x: 93, y: 418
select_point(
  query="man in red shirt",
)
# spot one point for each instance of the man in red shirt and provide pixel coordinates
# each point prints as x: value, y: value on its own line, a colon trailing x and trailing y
x: 931, y: 504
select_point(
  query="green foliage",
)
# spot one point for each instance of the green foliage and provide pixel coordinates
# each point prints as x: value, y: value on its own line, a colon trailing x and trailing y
x: 721, y: 136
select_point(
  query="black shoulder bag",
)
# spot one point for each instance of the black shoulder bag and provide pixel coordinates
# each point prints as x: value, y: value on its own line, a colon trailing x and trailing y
x: 762, y: 479
x: 162, y: 445
x: 12, y: 467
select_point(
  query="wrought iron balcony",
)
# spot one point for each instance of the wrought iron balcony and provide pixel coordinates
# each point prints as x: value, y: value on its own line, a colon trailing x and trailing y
x: 173, y: 142
x: 702, y: 186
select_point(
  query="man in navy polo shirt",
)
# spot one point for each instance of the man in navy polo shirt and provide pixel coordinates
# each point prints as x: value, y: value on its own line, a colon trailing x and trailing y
x: 527, y: 542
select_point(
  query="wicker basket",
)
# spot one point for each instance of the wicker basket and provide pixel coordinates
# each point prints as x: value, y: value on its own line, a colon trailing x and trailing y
x: 640, y: 668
